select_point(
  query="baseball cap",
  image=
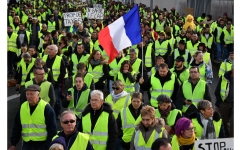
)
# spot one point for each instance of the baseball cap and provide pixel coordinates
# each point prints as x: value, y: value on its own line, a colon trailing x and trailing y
x: 163, y: 99
x: 33, y: 87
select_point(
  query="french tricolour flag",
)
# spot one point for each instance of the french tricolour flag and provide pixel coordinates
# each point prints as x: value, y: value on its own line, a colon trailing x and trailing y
x: 122, y: 33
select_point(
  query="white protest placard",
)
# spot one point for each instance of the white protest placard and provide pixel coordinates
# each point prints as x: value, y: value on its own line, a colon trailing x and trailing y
x: 94, y: 13
x: 214, y: 144
x: 70, y: 17
x: 97, y: 5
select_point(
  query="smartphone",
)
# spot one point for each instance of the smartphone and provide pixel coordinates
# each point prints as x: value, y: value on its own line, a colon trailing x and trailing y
x: 69, y: 93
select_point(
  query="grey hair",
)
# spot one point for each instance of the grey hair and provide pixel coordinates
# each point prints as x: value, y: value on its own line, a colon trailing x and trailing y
x: 55, y: 47
x: 97, y: 92
x: 203, y: 104
x: 133, y: 50
x: 56, y: 145
x: 67, y: 112
x: 26, y: 55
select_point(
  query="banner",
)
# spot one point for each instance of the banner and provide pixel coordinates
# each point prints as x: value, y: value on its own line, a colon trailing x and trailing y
x: 214, y: 144
x: 70, y: 17
x: 94, y: 13
x: 97, y: 5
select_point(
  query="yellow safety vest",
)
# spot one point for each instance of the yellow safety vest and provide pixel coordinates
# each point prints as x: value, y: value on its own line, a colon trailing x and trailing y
x: 161, y: 48
x: 148, y: 56
x: 10, y: 18
x: 172, y: 43
x: 159, y: 26
x: 25, y: 70
x: 81, y: 103
x: 51, y: 26
x: 206, y: 57
x: 176, y: 54
x: 228, y: 37
x: 117, y: 106
x: 97, y: 72
x: 183, y: 76
x: 115, y: 67
x: 45, y: 86
x: 208, y: 42
x: 33, y: 126
x: 136, y: 65
x: 128, y: 86
x: 192, y: 49
x: 224, y: 67
x: 158, y: 89
x: 80, y: 142
x: 75, y: 61
x: 171, y: 118
x: 195, y: 95
x: 99, y: 135
x: 224, y: 88
x: 199, y: 128
x: 43, y: 15
x: 178, y: 39
x: 55, y: 67
x: 219, y: 32
x: 128, y: 124
x: 12, y: 45
x: 139, y: 142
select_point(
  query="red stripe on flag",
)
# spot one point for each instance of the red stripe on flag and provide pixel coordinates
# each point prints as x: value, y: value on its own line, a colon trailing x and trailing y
x: 105, y: 41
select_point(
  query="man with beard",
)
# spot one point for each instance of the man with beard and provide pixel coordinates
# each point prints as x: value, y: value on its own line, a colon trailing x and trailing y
x: 180, y: 71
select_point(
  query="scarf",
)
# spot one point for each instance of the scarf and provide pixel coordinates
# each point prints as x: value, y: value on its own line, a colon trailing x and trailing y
x: 95, y: 62
x: 116, y: 97
x: 164, y: 113
x: 182, y: 141
x: 208, y: 126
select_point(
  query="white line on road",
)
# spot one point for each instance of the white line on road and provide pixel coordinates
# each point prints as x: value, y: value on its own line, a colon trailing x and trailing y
x: 13, y: 97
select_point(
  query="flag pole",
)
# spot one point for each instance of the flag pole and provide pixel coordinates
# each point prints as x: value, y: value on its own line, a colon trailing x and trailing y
x: 142, y: 58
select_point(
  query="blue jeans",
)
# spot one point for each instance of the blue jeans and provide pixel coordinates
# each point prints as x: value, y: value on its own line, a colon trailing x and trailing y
x: 57, y: 106
x: 137, y: 87
x: 220, y: 49
x: 110, y: 86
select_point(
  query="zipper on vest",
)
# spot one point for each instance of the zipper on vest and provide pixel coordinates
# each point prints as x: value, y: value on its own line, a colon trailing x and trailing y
x: 94, y: 112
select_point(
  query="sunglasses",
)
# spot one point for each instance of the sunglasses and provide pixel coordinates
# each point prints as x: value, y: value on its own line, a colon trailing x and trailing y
x: 114, y: 88
x: 66, y: 122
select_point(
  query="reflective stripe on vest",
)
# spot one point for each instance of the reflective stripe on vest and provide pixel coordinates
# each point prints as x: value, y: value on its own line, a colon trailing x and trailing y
x: 161, y: 48
x: 219, y: 32
x: 55, y: 67
x: 117, y: 106
x: 157, y: 89
x: 199, y: 128
x: 225, y: 66
x: 224, y: 88
x: 97, y: 72
x: 51, y: 26
x: 115, y: 67
x: 45, y: 86
x: 128, y: 86
x: 11, y: 42
x: 81, y: 102
x: 99, y: 135
x: 136, y: 65
x: 25, y: 70
x: 83, y: 59
x: 139, y: 142
x: 171, y: 118
x: 197, y: 94
x: 148, y: 56
x: 128, y: 124
x: 208, y: 42
x: 228, y: 37
x: 159, y: 26
x: 183, y: 75
x: 33, y: 125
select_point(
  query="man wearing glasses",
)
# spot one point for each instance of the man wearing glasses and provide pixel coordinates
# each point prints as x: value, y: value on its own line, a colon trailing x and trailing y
x: 98, y: 121
x: 47, y: 93
x: 192, y: 91
x: 34, y: 122
x: 73, y: 138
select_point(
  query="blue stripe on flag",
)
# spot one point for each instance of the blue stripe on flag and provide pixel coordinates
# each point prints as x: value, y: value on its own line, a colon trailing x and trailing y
x: 132, y: 25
